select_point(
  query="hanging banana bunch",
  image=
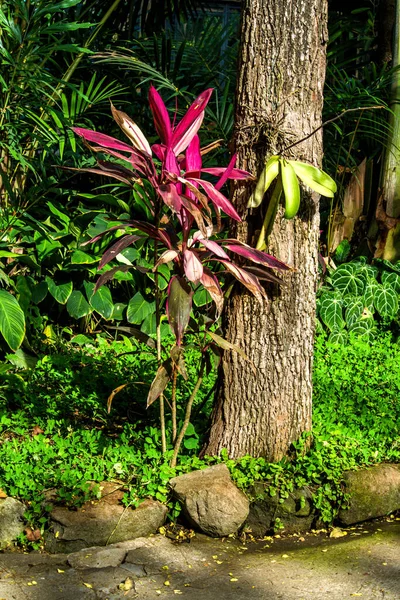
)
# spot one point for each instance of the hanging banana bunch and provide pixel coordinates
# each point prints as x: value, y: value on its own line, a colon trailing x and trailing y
x: 287, y: 173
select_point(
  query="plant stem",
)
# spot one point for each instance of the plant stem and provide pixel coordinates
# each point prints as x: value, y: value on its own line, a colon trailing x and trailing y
x: 188, y: 413
x: 158, y: 339
x: 173, y: 408
x: 270, y: 216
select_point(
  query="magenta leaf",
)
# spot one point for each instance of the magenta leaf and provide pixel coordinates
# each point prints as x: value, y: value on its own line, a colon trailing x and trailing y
x: 193, y: 157
x: 219, y: 172
x: 161, y: 117
x: 187, y: 128
x: 116, y: 248
x: 213, y: 247
x: 257, y: 256
x: 218, y: 199
x: 179, y: 306
x: 201, y: 219
x: 192, y: 266
x: 247, y: 279
x: 263, y: 274
x: 101, y: 139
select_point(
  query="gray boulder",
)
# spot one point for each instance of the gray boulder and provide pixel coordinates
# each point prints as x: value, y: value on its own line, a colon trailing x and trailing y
x: 11, y: 523
x: 210, y: 500
x: 374, y: 492
x: 101, y: 523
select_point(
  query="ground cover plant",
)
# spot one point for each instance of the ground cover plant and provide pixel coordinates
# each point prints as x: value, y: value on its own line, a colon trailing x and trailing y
x: 55, y: 431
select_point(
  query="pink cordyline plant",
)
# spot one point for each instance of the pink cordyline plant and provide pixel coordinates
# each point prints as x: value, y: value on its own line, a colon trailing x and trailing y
x: 174, y: 169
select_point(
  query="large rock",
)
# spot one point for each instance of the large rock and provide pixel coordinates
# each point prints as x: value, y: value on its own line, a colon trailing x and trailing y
x: 374, y: 492
x: 11, y: 523
x: 210, y: 501
x: 102, y: 522
x: 295, y: 514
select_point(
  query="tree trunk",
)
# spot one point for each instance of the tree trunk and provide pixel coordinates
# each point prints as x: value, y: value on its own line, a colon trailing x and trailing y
x: 279, y: 102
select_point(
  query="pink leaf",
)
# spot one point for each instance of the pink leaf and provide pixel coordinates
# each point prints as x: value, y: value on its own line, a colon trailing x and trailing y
x: 190, y: 124
x: 214, y: 247
x: 159, y: 150
x: 161, y: 117
x: 257, y: 256
x: 102, y: 140
x: 192, y: 265
x: 211, y: 284
x: 179, y: 306
x: 170, y: 196
x: 219, y: 171
x: 193, y: 156
x: 247, y: 279
x: 171, y: 163
x: 218, y: 199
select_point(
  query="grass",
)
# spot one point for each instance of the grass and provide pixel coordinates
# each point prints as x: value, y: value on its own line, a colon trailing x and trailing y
x: 55, y: 431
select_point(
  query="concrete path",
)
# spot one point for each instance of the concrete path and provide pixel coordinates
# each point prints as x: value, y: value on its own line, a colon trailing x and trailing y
x: 365, y: 563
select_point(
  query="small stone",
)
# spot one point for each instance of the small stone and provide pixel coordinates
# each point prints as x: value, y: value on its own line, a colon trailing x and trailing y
x: 11, y: 523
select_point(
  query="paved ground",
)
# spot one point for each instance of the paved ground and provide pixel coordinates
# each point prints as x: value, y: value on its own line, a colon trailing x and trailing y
x: 364, y: 563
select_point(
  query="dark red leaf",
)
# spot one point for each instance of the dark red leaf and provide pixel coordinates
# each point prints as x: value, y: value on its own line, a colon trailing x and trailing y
x: 121, y: 244
x: 179, y: 306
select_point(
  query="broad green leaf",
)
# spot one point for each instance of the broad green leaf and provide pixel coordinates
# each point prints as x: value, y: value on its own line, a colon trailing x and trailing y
x: 77, y: 305
x: 348, y: 280
x: 149, y: 326
x: 338, y: 337
x: 61, y: 292
x: 24, y: 292
x: 22, y: 360
x: 12, y: 320
x: 369, y: 294
x: 81, y: 339
x: 39, y: 292
x: 82, y: 258
x: 139, y: 308
x: 363, y: 328
x: 330, y: 310
x: 201, y: 297
x: 386, y: 301
x: 342, y: 251
x: 118, y: 312
x: 354, y: 311
x: 392, y: 279
x: 102, y: 302
x: 164, y: 276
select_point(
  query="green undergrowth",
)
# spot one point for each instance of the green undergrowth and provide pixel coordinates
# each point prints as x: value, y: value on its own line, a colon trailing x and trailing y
x: 56, y: 433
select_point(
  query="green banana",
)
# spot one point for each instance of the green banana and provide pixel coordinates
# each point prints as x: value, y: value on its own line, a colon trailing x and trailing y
x: 291, y: 189
x: 315, y: 178
x: 270, y: 171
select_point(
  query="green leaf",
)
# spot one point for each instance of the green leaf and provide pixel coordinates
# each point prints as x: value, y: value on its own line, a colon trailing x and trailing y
x: 354, y: 311
x: 338, y: 337
x: 342, y: 251
x: 201, y: 297
x: 118, y: 312
x: 62, y: 292
x: 348, y: 279
x: 362, y: 328
x: 369, y: 294
x: 330, y: 310
x: 39, y: 292
x: 22, y: 360
x: 12, y: 320
x: 139, y: 308
x: 386, y: 301
x: 392, y: 279
x: 82, y: 258
x: 77, y: 305
x: 102, y: 302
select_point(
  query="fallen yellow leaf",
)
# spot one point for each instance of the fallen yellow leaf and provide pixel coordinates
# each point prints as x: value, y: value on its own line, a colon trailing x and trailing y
x: 126, y: 585
x: 167, y: 583
x: 60, y: 571
x: 234, y: 579
x: 88, y: 585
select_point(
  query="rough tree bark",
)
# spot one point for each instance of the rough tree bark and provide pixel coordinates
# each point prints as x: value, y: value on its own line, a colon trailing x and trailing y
x: 279, y: 101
